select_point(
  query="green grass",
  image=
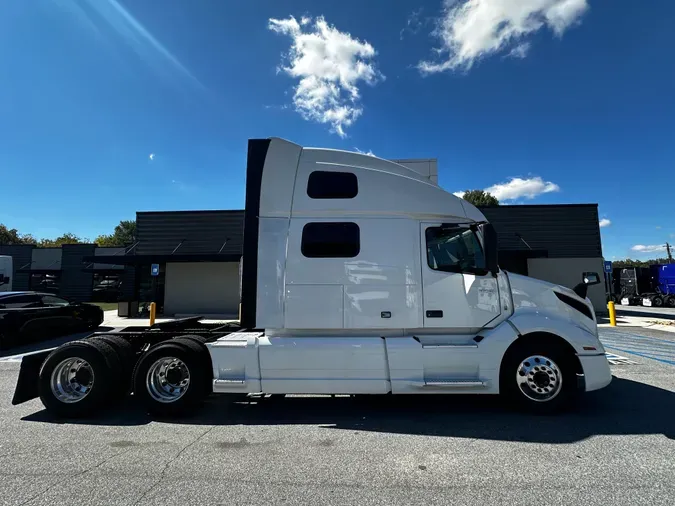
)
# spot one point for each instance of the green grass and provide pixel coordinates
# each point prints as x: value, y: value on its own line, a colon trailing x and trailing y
x: 106, y: 306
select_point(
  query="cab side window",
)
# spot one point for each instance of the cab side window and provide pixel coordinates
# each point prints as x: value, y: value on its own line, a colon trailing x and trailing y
x: 454, y: 249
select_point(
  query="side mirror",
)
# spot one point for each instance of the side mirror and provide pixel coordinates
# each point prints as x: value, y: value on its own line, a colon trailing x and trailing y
x: 490, y: 248
x: 589, y: 279
x: 4, y: 280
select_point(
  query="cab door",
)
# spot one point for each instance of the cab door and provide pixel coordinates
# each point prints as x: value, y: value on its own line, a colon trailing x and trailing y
x: 459, y: 293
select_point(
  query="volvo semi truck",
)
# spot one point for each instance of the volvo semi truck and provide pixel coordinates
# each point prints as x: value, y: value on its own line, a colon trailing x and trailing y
x: 359, y: 276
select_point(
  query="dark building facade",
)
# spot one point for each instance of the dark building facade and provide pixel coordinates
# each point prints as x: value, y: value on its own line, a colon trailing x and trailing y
x: 563, y: 231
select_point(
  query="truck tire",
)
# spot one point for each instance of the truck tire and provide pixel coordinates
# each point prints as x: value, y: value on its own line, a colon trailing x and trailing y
x: 127, y: 360
x: 170, y: 378
x: 196, y: 344
x: 670, y: 301
x: 76, y: 379
x: 539, y: 378
x: 123, y: 346
x: 657, y: 301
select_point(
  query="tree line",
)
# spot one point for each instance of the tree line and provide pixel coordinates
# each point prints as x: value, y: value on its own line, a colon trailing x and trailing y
x: 628, y: 262
x: 124, y: 234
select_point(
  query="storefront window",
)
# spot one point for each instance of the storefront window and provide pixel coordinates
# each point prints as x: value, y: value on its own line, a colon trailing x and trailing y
x: 107, y: 287
x: 46, y: 282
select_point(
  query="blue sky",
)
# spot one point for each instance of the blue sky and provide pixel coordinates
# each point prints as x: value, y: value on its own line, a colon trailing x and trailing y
x: 563, y: 101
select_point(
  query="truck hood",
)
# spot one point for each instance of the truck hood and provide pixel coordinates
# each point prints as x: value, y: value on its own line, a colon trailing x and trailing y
x: 535, y: 294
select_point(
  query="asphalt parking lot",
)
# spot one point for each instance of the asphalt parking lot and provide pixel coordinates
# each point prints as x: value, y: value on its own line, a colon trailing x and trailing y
x: 616, y: 448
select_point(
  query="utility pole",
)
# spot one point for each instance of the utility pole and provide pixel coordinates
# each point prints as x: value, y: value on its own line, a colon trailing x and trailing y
x: 670, y: 254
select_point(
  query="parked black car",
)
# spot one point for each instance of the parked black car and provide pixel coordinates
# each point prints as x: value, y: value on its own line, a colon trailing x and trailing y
x: 33, y: 316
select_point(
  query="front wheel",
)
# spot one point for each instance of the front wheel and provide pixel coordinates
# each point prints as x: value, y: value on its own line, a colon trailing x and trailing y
x: 540, y: 379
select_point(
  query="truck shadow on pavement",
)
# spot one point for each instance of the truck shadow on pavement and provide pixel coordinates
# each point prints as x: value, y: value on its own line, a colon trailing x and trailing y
x: 625, y: 407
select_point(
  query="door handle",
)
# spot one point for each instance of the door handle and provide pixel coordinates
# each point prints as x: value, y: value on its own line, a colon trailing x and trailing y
x: 435, y: 313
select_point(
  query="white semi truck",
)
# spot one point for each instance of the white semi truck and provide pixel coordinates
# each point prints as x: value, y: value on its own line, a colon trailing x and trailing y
x: 358, y: 276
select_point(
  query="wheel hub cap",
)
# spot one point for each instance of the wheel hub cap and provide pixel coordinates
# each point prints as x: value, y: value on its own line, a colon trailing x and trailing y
x: 168, y: 379
x: 539, y: 378
x: 72, y: 380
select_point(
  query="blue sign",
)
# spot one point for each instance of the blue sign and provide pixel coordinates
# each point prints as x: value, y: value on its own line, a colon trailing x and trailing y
x: 154, y: 270
x: 608, y: 266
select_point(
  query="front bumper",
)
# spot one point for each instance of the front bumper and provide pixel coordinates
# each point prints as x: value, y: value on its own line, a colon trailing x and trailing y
x: 596, y: 371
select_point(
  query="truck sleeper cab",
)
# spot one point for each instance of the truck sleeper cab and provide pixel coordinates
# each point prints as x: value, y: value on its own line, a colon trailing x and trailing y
x: 360, y: 276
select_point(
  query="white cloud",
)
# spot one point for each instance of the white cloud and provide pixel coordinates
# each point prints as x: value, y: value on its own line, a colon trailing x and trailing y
x: 472, y: 29
x: 652, y: 248
x: 518, y: 188
x: 413, y: 23
x: 658, y: 227
x: 330, y: 65
x: 369, y: 152
x: 605, y: 222
x: 459, y: 194
x: 151, y: 157
x: 520, y: 51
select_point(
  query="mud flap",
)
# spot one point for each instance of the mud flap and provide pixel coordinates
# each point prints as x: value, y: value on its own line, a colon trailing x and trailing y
x: 27, y: 384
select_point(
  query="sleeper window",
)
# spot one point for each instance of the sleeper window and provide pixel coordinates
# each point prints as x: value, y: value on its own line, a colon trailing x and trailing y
x: 332, y: 185
x: 331, y: 240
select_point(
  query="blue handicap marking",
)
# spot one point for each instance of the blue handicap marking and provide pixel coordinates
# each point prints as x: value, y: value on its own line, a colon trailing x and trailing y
x: 608, y: 266
x: 661, y: 350
x: 154, y: 270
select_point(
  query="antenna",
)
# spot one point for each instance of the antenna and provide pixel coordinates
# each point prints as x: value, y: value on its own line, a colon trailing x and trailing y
x: 521, y: 238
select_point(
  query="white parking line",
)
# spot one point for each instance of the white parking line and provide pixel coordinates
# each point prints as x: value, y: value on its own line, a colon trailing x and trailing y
x: 618, y: 360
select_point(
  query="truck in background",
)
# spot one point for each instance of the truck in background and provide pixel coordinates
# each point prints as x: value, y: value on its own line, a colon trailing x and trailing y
x: 662, y: 281
x: 652, y: 286
x: 359, y: 276
x: 6, y: 273
x: 630, y: 284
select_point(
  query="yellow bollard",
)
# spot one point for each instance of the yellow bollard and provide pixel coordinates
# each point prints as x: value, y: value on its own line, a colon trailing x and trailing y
x: 612, y: 313
x: 153, y: 313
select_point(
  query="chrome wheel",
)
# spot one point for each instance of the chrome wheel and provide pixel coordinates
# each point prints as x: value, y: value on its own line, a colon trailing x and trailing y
x: 539, y: 378
x: 168, y: 379
x: 72, y: 380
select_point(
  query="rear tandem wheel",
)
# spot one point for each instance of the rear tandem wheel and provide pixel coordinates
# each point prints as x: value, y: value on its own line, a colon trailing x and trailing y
x: 172, y: 378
